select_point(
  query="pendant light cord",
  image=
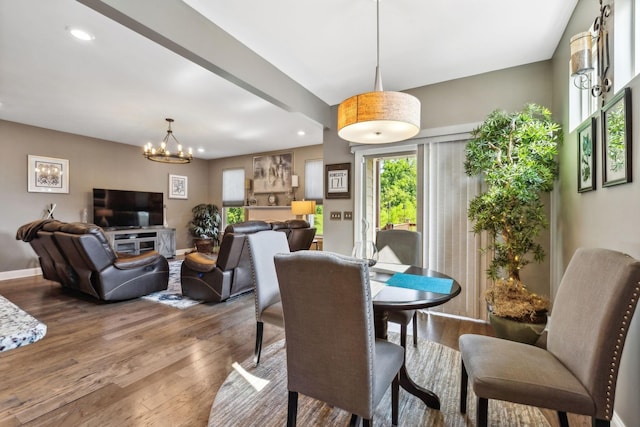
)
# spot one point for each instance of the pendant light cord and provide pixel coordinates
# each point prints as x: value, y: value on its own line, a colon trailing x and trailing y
x: 377, y: 87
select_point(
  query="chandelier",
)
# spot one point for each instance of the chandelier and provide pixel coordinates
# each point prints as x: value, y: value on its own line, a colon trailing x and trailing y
x: 162, y: 154
x: 379, y: 117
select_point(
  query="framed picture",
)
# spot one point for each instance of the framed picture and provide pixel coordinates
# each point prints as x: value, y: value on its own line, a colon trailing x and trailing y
x: 272, y: 174
x: 616, y: 140
x: 337, y: 181
x: 47, y: 175
x: 178, y: 187
x: 587, y: 155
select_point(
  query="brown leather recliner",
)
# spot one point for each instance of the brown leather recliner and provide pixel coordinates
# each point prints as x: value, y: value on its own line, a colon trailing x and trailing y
x: 208, y: 279
x: 79, y: 256
x: 301, y: 234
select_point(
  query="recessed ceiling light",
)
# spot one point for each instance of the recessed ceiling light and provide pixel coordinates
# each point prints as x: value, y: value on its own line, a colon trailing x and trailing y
x: 200, y: 150
x: 301, y: 132
x: 80, y: 34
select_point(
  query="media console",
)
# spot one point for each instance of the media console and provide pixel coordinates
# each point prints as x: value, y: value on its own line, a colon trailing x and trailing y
x: 140, y: 240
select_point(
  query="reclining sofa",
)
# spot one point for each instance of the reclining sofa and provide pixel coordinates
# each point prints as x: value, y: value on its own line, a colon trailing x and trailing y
x: 206, y: 278
x: 78, y: 256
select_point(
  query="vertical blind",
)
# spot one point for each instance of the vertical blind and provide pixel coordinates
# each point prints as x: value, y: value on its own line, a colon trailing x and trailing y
x: 313, y: 180
x: 453, y: 247
x: 233, y: 187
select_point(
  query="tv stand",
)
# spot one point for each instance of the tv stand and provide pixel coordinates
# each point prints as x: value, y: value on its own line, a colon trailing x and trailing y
x: 140, y: 240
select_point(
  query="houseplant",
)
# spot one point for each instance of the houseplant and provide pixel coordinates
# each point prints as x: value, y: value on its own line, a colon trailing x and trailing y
x: 204, y: 226
x: 516, y: 155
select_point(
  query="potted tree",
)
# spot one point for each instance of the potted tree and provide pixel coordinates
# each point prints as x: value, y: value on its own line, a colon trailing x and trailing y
x: 516, y: 155
x: 204, y: 226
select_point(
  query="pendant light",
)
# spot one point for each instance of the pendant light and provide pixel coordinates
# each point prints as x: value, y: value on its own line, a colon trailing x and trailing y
x: 379, y: 117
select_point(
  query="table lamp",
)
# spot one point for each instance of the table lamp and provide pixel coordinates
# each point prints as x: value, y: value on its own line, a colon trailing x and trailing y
x: 302, y: 208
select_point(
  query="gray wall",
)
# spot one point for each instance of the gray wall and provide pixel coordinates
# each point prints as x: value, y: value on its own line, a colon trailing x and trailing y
x: 607, y: 217
x: 92, y: 163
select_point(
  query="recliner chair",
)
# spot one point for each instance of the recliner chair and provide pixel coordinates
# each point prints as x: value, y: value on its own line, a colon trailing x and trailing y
x: 208, y: 278
x: 83, y: 260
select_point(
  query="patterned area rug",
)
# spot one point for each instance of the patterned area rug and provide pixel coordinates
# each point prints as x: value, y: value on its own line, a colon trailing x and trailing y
x: 173, y: 294
x: 432, y: 365
x: 17, y: 327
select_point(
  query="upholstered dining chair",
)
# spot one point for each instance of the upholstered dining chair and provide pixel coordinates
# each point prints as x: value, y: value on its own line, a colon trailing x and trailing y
x: 401, y: 247
x: 262, y: 247
x: 578, y: 369
x: 332, y: 352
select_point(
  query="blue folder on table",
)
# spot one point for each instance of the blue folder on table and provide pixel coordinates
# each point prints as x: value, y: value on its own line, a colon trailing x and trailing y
x: 421, y: 283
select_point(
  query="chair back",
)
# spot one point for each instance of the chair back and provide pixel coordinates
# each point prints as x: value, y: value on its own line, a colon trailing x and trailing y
x: 399, y: 247
x: 262, y: 248
x: 329, y: 328
x: 588, y: 325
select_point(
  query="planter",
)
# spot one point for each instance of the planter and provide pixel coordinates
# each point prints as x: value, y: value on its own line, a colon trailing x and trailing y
x: 204, y: 245
x: 514, y: 330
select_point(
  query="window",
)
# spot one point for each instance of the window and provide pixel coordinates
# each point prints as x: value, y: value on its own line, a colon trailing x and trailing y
x: 314, y: 190
x: 232, y: 196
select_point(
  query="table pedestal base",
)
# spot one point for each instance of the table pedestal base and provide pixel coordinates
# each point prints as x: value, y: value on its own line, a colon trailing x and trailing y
x: 427, y: 396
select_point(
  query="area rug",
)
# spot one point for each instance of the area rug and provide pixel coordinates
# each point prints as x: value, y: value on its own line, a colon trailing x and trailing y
x: 238, y: 403
x: 172, y: 296
x: 17, y: 327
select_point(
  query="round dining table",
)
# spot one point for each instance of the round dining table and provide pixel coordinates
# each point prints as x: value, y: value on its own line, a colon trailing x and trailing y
x: 392, y: 298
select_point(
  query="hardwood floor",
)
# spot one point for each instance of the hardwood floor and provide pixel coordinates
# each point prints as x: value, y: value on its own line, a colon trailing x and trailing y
x: 138, y: 363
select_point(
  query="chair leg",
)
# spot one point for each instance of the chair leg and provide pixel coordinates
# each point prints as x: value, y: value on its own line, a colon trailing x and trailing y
x: 600, y: 423
x: 258, y: 350
x: 395, y: 394
x: 464, y: 380
x: 403, y: 336
x: 562, y: 419
x: 482, y: 412
x: 292, y: 409
x: 415, y: 329
x: 355, y: 420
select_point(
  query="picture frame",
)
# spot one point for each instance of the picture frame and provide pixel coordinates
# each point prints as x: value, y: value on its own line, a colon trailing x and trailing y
x: 47, y: 175
x: 587, y: 155
x: 272, y: 173
x: 616, y: 139
x: 337, y: 181
x: 178, y: 187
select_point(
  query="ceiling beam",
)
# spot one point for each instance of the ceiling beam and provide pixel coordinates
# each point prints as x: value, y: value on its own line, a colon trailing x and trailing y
x: 179, y: 28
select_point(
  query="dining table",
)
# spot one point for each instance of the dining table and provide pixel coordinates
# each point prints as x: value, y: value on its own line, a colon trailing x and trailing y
x: 404, y: 287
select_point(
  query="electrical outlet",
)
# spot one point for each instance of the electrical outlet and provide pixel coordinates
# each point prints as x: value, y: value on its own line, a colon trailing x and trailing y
x: 348, y: 215
x: 336, y: 216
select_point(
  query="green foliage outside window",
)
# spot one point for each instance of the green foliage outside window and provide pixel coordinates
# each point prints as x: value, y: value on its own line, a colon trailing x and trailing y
x: 398, y: 192
x: 234, y: 215
x: 318, y: 220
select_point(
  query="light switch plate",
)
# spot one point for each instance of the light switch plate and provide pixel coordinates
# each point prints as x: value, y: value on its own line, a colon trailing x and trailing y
x: 335, y: 216
x: 348, y: 215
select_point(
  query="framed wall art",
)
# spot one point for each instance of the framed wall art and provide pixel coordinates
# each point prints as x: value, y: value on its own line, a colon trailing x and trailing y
x: 272, y: 173
x: 337, y: 182
x: 178, y: 187
x: 587, y: 156
x: 616, y: 140
x: 47, y: 175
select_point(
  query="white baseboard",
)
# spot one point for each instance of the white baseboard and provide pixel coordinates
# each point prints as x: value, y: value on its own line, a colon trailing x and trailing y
x: 616, y: 421
x: 18, y: 274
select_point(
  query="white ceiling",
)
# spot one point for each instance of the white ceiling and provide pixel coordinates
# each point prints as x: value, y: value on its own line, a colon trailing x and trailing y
x: 122, y: 85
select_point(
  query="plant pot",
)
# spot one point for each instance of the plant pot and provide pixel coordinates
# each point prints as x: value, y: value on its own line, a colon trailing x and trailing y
x: 204, y: 245
x: 515, y: 330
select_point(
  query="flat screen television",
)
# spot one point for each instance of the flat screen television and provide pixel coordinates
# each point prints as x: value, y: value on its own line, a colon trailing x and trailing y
x: 117, y: 209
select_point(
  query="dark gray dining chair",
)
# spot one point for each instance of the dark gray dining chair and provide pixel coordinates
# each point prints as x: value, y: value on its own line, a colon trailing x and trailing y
x: 332, y: 352
x: 401, y: 247
x: 263, y: 245
x: 578, y: 369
